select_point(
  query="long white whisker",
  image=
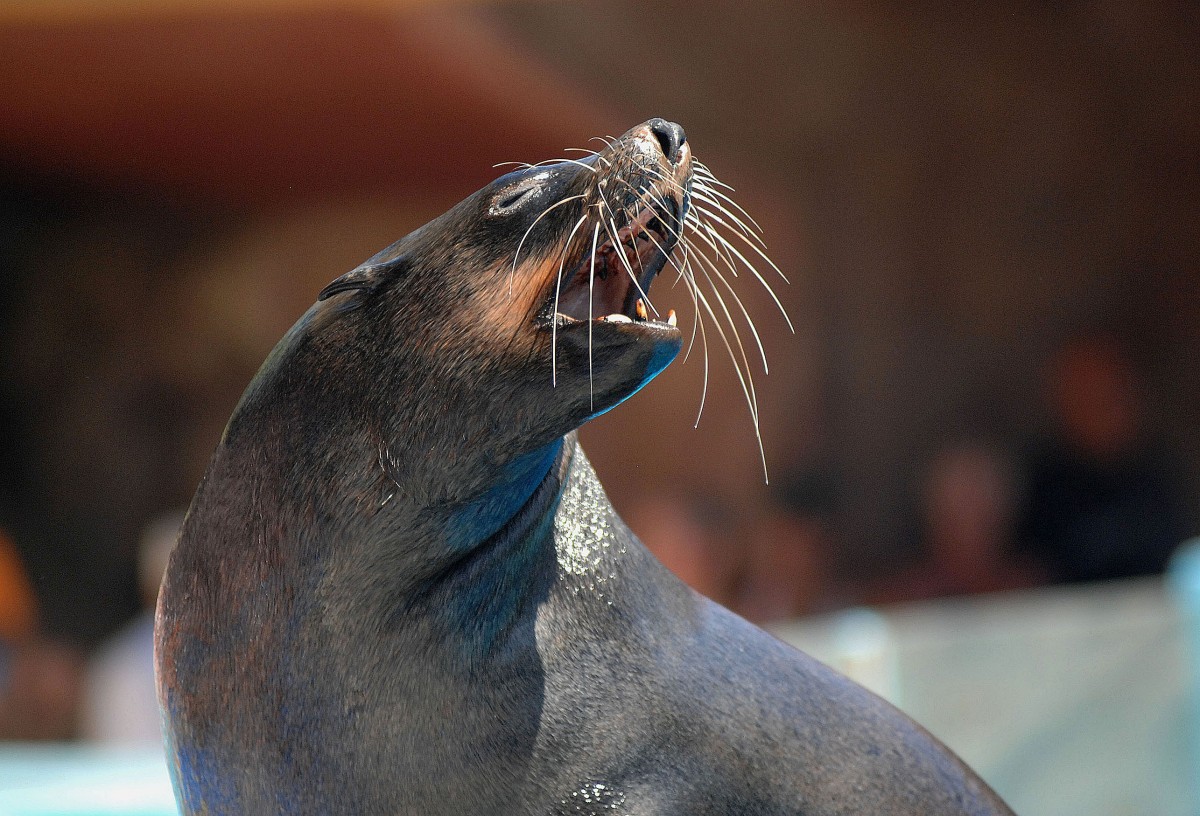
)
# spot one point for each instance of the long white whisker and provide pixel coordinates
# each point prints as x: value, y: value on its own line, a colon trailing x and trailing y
x: 650, y: 202
x: 557, y: 293
x: 726, y: 252
x: 701, y: 169
x: 735, y: 221
x: 710, y: 190
x: 613, y: 231
x: 686, y: 275
x: 752, y: 395
x: 746, y: 381
x: 724, y: 242
x: 595, y: 153
x: 517, y: 255
x: 633, y: 216
x: 670, y: 258
x: 711, y: 216
x: 575, y: 162
x: 741, y: 306
x: 689, y: 279
x: 619, y: 249
x: 699, y: 318
x: 655, y: 172
x: 591, y: 288
x: 705, y: 233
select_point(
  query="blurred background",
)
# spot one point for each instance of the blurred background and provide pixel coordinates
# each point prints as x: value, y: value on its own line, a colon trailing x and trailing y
x: 982, y: 438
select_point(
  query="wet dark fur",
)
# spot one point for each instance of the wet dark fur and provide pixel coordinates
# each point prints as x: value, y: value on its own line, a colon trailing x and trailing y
x: 401, y: 590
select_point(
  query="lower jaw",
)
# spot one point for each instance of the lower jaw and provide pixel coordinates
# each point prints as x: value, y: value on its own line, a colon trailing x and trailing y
x: 660, y: 357
x: 599, y: 365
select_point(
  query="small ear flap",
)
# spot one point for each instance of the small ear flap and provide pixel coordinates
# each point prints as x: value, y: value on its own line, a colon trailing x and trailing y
x: 362, y: 277
x: 371, y: 273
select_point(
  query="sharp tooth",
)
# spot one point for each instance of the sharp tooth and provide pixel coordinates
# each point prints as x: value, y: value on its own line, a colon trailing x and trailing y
x: 671, y: 319
x: 639, y: 308
x: 617, y: 318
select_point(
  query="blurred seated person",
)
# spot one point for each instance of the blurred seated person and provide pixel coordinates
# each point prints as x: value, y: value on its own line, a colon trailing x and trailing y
x: 694, y: 536
x: 120, y: 704
x: 790, y: 546
x: 965, y: 530
x: 18, y: 606
x: 1102, y: 501
x: 39, y: 678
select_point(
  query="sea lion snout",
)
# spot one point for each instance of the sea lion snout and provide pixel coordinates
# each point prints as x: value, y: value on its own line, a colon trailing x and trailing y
x: 604, y: 324
x: 538, y: 286
x: 670, y: 136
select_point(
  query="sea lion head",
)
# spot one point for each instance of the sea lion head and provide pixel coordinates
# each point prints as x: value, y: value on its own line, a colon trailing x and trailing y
x: 526, y: 309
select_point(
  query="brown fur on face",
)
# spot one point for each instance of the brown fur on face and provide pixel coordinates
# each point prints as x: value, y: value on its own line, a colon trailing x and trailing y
x: 467, y: 303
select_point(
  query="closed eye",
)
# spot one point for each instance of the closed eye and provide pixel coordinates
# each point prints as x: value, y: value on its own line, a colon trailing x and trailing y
x: 514, y: 198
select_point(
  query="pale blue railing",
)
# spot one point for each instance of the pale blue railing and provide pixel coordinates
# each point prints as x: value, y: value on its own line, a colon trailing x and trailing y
x: 1069, y: 701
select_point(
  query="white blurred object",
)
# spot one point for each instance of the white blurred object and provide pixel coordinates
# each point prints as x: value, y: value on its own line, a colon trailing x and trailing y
x: 863, y: 650
x: 1069, y: 701
x: 120, y: 705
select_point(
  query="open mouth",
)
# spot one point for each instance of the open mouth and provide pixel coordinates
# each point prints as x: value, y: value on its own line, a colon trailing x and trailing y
x: 612, y: 283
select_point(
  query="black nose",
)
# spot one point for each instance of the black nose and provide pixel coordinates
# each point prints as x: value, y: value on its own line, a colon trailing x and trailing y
x: 670, y: 137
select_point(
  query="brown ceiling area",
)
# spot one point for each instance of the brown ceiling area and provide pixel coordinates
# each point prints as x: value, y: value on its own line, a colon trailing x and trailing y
x: 262, y: 106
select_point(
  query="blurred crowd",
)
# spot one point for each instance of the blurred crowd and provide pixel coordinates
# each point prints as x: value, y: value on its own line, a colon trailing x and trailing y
x: 1096, y: 499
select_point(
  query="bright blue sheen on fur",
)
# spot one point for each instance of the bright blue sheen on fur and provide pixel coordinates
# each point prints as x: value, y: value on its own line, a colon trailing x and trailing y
x: 483, y: 518
x: 197, y: 778
x: 664, y: 352
x: 486, y: 607
x: 485, y: 601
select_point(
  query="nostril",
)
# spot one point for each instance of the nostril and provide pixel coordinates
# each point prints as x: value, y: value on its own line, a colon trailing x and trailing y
x: 670, y: 137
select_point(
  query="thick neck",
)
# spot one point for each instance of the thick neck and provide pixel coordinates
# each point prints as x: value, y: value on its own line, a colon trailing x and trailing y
x: 498, y: 580
x: 465, y: 573
x: 500, y: 506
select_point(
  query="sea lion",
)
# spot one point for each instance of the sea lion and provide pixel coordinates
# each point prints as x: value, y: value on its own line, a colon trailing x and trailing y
x: 400, y: 588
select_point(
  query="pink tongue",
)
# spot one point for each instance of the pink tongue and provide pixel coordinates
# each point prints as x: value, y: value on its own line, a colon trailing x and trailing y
x: 607, y: 295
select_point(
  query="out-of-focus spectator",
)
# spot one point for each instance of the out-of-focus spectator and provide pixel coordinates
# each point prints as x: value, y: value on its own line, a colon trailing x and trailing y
x: 967, y: 505
x: 39, y: 678
x: 120, y: 704
x: 1103, y: 501
x: 694, y: 537
x: 787, y: 572
x: 40, y: 700
x: 18, y: 606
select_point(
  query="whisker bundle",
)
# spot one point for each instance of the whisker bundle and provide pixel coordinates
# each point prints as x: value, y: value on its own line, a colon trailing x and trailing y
x: 708, y: 240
